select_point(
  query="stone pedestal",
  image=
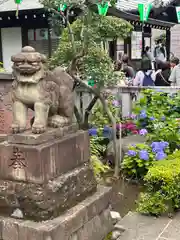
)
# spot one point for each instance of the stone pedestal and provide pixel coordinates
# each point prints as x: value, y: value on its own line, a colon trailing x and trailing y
x: 48, y: 178
x: 88, y: 220
x: 45, y: 174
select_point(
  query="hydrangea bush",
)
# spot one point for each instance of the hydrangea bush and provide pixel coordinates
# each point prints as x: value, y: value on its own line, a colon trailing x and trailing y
x: 156, y: 116
x: 158, y: 113
x: 162, y: 192
x: 140, y: 157
x: 100, y: 126
x: 127, y: 127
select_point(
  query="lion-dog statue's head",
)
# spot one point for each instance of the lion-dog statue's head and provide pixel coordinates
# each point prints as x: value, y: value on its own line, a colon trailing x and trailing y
x: 29, y: 65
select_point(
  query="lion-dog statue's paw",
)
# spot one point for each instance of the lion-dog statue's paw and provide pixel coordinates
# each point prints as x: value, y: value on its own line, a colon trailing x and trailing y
x: 38, y: 128
x: 17, y: 128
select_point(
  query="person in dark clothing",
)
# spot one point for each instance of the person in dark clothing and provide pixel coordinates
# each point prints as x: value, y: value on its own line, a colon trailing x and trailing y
x: 126, y: 68
x: 162, y: 77
x: 117, y: 65
x: 174, y: 62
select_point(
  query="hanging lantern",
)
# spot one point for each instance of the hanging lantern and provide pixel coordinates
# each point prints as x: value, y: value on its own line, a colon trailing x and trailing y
x: 62, y: 7
x: 144, y: 11
x: 91, y: 82
x: 18, y: 2
x: 103, y: 7
x: 178, y: 14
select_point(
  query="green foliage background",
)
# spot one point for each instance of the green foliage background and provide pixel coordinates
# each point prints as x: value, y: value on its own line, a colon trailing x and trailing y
x: 95, y: 63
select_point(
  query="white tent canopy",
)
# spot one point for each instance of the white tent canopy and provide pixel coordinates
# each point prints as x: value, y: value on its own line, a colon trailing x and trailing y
x: 9, y: 5
x: 129, y: 5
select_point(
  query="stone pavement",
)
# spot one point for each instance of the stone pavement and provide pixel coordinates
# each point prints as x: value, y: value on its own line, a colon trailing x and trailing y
x: 140, y: 227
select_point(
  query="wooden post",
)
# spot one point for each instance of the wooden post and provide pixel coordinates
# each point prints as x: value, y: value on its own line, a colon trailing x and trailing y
x: 143, y: 43
x: 49, y: 41
x: 168, y: 42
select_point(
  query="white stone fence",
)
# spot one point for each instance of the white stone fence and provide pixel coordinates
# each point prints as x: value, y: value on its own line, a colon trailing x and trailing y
x: 83, y: 97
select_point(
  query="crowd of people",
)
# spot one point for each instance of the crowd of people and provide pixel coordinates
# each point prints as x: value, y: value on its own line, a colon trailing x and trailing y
x: 154, y: 70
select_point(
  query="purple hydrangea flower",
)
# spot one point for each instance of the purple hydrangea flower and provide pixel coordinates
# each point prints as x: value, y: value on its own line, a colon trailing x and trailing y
x: 133, y: 145
x: 143, y: 114
x: 152, y: 118
x: 163, y: 118
x: 93, y: 132
x: 131, y: 153
x: 133, y: 116
x: 160, y: 155
x: 143, y: 132
x: 115, y: 103
x: 144, y: 155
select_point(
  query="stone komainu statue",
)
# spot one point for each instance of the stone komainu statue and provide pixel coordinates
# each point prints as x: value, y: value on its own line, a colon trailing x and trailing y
x: 48, y: 93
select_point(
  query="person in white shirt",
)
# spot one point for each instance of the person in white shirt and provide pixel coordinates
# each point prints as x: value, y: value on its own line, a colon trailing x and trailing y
x: 146, y: 70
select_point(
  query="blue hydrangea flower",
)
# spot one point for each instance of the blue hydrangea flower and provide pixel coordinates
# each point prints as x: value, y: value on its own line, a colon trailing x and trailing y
x: 164, y: 144
x: 107, y: 132
x: 156, y: 147
x: 159, y: 146
x: 131, y: 153
x: 143, y: 114
x: 152, y: 118
x: 143, y: 132
x: 93, y: 132
x: 160, y: 155
x: 154, y: 144
x: 143, y: 124
x: 144, y: 155
x: 163, y: 118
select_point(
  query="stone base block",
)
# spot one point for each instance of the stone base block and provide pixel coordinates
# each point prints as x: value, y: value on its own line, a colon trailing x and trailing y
x: 3, y: 137
x: 28, y: 138
x: 88, y: 220
x: 43, y: 162
x: 45, y: 201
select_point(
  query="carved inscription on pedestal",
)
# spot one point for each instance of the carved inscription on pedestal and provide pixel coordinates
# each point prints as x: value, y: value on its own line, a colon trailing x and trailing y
x: 17, y: 161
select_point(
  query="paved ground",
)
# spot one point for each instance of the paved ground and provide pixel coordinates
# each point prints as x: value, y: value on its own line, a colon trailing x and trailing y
x: 140, y: 227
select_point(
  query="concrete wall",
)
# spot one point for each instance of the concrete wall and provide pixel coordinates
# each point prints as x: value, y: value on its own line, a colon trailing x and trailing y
x: 11, y: 44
